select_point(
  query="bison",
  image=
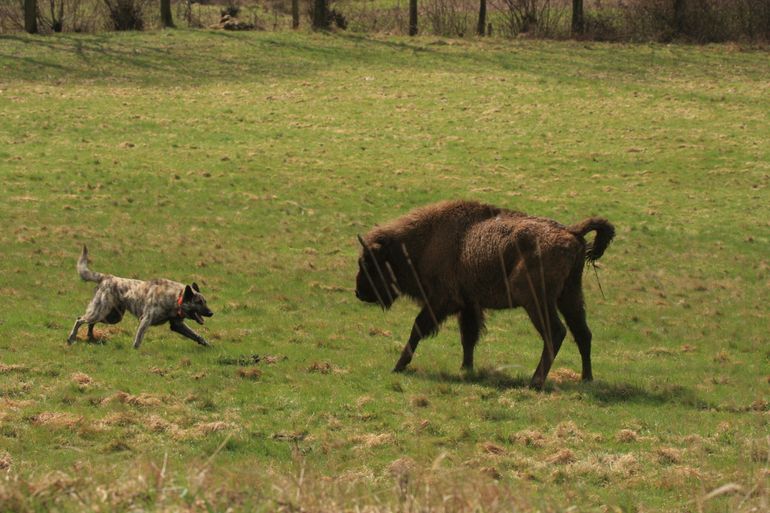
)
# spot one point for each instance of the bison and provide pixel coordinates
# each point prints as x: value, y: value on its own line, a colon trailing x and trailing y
x: 463, y: 257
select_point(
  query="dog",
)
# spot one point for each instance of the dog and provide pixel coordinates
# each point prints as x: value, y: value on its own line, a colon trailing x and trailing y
x: 152, y: 302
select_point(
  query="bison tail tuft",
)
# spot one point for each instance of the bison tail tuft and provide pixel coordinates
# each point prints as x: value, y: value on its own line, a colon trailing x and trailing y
x: 605, y: 232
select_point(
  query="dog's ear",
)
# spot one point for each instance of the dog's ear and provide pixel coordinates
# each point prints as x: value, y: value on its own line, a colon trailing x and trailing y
x: 188, y: 294
x: 195, y: 287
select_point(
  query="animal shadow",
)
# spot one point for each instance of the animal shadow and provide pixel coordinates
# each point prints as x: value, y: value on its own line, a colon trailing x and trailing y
x: 600, y: 391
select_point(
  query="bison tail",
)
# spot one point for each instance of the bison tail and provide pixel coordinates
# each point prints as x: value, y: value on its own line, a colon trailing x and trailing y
x: 83, y: 270
x: 604, y: 235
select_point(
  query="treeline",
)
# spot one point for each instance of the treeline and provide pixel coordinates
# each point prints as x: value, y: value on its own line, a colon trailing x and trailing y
x: 612, y: 20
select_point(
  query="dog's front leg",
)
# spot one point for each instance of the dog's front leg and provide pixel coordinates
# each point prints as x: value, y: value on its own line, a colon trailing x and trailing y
x: 144, y: 323
x: 184, y: 330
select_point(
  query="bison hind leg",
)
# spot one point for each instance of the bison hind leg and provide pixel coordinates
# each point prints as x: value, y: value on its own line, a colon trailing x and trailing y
x: 471, y: 321
x: 552, y: 331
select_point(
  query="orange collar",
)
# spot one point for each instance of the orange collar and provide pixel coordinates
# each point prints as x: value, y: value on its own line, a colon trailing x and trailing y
x: 179, y: 311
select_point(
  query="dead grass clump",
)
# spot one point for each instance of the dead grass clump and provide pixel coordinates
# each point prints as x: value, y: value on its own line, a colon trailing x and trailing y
x: 722, y: 357
x: 273, y: 359
x: 568, y: 430
x: 623, y: 464
x: 492, y: 448
x: 57, y: 419
x: 668, y: 455
x: 564, y: 375
x: 142, y: 399
x: 250, y: 373
x: 157, y: 423
x: 402, y: 467
x: 5, y: 369
x: 530, y: 438
x: 5, y: 461
x: 207, y: 428
x: 82, y: 380
x: 122, y: 419
x: 370, y: 440
x: 760, y: 405
x: 320, y: 368
x: 562, y: 457
x: 420, y: 401
x: 660, y: 351
x: 627, y: 436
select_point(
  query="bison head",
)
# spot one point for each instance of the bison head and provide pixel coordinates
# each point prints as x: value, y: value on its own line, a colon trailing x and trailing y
x: 375, y: 282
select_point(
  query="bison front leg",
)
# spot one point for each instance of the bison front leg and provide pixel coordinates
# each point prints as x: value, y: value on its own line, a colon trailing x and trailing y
x: 424, y: 326
x: 552, y: 332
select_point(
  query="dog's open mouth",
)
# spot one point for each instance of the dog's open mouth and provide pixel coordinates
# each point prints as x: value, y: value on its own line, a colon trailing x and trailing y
x: 197, y: 317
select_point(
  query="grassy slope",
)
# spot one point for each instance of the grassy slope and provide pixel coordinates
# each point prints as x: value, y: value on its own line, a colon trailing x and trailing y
x: 248, y: 162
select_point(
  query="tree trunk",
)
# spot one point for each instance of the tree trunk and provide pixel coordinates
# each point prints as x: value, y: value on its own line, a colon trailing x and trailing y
x: 165, y: 14
x: 412, y: 17
x: 577, y: 17
x: 679, y: 16
x: 295, y: 14
x: 482, y: 18
x: 30, y: 16
x: 320, y: 13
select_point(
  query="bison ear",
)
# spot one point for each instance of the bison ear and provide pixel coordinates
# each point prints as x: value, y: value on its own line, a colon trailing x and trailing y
x: 188, y: 294
x: 195, y: 287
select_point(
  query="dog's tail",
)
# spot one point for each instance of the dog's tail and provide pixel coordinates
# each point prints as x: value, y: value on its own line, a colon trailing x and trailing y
x: 83, y: 270
x: 604, y: 235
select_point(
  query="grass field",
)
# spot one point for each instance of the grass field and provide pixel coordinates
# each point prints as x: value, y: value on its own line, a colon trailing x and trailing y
x: 249, y: 162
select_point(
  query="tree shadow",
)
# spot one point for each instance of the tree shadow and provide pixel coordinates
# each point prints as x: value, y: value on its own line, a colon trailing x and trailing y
x: 602, y: 392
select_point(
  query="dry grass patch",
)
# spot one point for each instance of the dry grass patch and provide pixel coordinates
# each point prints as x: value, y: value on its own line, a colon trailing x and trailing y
x: 564, y: 375
x: 5, y: 461
x: 668, y: 455
x: 207, y: 428
x: 57, y: 419
x: 530, y: 438
x: 562, y: 457
x: 626, y: 436
x: 370, y: 440
x: 83, y: 381
x: 5, y: 369
x: 141, y: 400
x: 492, y: 448
x: 250, y: 373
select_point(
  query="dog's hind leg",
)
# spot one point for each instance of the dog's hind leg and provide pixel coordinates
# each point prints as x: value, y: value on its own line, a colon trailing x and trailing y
x: 74, y: 333
x: 183, y: 329
x: 144, y: 323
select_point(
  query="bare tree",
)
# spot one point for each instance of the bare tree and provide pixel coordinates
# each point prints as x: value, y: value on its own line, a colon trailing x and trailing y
x: 412, y: 17
x: 577, y: 17
x: 480, y: 29
x: 295, y: 14
x: 165, y: 14
x: 679, y: 16
x: 30, y: 16
x: 320, y: 15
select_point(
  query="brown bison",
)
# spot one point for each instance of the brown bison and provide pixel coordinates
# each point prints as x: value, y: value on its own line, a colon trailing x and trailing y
x: 462, y: 257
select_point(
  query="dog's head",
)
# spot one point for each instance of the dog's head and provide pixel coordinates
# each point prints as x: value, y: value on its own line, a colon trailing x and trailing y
x: 375, y: 281
x: 193, y: 304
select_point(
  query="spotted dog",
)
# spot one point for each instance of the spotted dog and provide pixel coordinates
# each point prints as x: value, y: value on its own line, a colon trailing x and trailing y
x: 152, y: 302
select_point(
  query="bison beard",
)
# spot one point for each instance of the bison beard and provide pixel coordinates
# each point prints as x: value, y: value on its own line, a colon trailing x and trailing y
x: 460, y: 258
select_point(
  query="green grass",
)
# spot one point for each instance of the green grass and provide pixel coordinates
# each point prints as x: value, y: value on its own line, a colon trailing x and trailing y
x: 249, y: 162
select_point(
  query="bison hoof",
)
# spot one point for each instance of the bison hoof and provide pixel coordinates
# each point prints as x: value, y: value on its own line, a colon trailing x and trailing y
x: 536, y: 385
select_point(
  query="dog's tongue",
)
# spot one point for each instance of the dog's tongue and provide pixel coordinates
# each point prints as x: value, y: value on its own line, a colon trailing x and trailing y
x: 198, y: 318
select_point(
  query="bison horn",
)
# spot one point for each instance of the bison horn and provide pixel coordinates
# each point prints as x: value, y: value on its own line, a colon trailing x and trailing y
x: 361, y: 240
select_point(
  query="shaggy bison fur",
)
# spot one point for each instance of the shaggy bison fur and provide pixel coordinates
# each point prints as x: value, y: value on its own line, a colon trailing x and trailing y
x: 462, y: 257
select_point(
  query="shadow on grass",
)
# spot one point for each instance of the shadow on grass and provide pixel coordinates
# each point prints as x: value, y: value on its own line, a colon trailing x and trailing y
x: 602, y: 392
